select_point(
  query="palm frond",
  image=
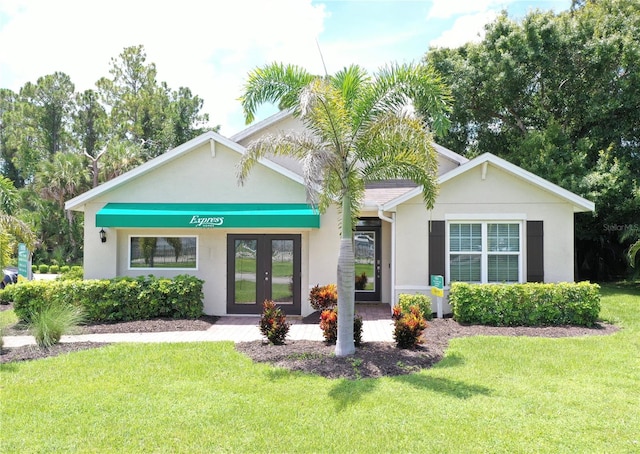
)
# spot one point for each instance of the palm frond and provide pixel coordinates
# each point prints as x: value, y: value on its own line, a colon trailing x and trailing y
x: 274, y: 83
x: 8, y: 195
x: 18, y: 229
x: 398, y: 86
x: 400, y: 147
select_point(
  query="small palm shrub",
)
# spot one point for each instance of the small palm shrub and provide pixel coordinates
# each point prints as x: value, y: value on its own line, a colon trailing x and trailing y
x: 325, y: 297
x: 408, y: 326
x: 52, y: 321
x: 273, y: 323
x: 329, y: 326
x: 361, y: 281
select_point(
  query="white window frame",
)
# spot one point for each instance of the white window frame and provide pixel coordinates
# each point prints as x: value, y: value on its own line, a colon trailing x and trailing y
x: 130, y: 268
x: 484, y: 221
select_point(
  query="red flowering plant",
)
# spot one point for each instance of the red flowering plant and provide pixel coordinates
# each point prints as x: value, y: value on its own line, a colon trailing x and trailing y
x: 325, y: 297
x: 273, y: 323
x: 329, y: 326
x: 408, y: 326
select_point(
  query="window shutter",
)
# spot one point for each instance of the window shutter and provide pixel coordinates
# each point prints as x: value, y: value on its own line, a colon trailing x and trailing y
x: 437, y: 248
x: 535, y: 251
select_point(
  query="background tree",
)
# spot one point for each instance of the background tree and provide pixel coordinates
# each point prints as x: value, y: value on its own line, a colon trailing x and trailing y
x: 358, y: 129
x: 557, y: 94
x: 50, y: 135
x: 145, y: 111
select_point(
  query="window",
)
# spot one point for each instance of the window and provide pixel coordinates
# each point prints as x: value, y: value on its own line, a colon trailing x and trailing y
x: 177, y: 252
x: 485, y: 252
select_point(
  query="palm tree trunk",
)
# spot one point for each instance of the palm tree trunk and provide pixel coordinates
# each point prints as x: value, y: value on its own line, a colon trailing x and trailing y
x: 346, y: 284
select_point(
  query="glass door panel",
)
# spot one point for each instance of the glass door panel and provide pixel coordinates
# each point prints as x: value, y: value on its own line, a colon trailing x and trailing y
x: 246, y: 271
x: 282, y: 271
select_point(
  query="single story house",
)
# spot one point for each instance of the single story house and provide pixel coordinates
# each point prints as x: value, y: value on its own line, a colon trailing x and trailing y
x: 184, y: 213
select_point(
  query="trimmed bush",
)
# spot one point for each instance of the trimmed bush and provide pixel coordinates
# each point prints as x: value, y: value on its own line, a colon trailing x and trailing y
x: 120, y: 299
x: 34, y: 268
x: 43, y: 269
x: 74, y: 272
x: 406, y: 300
x: 54, y: 269
x: 273, y: 323
x: 408, y: 326
x: 325, y: 297
x: 329, y: 327
x: 6, y: 294
x: 65, y: 269
x: 532, y: 304
x: 52, y: 321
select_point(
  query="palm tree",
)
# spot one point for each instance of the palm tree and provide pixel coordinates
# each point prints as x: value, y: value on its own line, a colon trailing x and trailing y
x: 11, y: 228
x: 359, y: 128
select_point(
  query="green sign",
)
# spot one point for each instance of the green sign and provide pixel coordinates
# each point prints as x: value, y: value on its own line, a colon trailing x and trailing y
x: 437, y: 285
x: 23, y: 260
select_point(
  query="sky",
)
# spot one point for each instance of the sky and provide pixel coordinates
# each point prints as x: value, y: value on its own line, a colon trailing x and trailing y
x: 211, y: 46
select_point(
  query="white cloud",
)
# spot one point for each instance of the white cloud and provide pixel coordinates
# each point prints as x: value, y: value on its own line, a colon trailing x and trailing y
x: 465, y: 29
x: 206, y: 46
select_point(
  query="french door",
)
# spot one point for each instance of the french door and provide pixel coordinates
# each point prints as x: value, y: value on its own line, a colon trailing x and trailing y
x: 263, y: 267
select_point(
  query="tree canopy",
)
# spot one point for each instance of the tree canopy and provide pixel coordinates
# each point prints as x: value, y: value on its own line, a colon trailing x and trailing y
x: 557, y: 94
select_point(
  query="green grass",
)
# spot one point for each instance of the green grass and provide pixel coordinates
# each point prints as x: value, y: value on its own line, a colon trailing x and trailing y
x: 7, y: 318
x: 490, y: 394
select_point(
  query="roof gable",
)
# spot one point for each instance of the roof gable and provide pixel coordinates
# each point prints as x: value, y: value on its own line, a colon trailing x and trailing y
x: 580, y: 204
x: 209, y: 137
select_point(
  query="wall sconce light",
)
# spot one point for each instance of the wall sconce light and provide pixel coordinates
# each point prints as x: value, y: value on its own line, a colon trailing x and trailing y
x: 103, y: 236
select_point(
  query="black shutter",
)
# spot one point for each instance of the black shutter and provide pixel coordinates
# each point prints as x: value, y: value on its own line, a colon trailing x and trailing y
x: 437, y: 248
x: 535, y: 251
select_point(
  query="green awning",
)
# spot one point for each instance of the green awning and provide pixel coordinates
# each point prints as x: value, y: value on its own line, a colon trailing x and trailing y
x: 208, y: 215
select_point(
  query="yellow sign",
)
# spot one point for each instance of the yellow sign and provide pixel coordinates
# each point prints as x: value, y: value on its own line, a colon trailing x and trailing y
x: 437, y: 291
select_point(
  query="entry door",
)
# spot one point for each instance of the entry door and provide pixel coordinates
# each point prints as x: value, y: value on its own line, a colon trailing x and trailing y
x: 367, y: 249
x: 263, y: 267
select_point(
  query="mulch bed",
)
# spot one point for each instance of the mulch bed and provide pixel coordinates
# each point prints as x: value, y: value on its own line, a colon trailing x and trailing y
x: 371, y: 360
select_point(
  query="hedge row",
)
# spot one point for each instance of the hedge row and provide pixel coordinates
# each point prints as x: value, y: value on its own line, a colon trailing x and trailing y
x: 120, y: 299
x: 526, y: 304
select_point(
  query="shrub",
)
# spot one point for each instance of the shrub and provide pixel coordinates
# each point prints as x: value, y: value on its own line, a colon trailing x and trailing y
x: 273, y: 323
x: 361, y: 281
x: 54, y: 269
x: 64, y: 269
x: 408, y: 326
x: 325, y: 297
x: 43, y: 269
x: 406, y: 300
x: 71, y: 273
x: 6, y: 294
x: 34, y: 268
x: 531, y: 304
x: 120, y: 299
x: 329, y: 326
x: 52, y: 321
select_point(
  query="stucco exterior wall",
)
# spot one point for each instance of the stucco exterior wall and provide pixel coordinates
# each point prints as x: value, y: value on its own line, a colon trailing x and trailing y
x: 499, y: 196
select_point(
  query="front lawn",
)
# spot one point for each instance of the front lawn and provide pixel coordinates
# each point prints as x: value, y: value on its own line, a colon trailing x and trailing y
x: 489, y: 394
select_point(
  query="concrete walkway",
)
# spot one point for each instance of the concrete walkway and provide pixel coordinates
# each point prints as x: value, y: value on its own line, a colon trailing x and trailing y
x: 376, y: 327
